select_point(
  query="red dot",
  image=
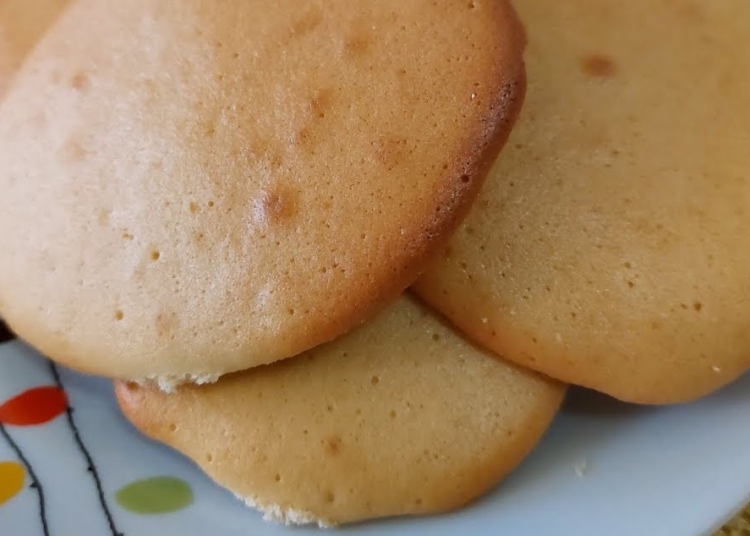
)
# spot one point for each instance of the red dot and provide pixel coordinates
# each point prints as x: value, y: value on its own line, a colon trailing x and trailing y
x: 35, y: 406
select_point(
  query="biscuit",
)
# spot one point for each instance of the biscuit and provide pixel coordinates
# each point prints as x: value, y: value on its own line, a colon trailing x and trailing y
x: 610, y: 245
x: 22, y: 24
x: 191, y: 190
x: 402, y: 416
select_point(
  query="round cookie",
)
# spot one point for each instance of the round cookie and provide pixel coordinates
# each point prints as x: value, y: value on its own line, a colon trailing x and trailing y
x: 191, y: 190
x: 610, y: 245
x: 401, y: 416
x: 22, y: 24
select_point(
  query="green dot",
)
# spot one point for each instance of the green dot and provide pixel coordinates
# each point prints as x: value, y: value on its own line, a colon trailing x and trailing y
x: 156, y: 495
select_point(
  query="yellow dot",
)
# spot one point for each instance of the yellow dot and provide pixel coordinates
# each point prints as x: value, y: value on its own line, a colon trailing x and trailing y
x: 12, y: 477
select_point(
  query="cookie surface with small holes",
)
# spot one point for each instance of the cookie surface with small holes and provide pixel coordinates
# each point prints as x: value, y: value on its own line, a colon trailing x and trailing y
x: 192, y: 188
x: 610, y: 245
x: 402, y: 416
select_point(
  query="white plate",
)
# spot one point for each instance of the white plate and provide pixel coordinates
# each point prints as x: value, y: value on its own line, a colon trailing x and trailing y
x: 603, y: 468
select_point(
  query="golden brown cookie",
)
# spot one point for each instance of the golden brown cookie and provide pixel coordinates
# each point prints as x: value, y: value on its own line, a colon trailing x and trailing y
x: 192, y: 188
x: 401, y: 416
x: 610, y: 246
x: 22, y: 24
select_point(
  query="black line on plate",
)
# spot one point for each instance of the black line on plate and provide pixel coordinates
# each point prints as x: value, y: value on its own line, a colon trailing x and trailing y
x: 34, y: 480
x: 86, y: 454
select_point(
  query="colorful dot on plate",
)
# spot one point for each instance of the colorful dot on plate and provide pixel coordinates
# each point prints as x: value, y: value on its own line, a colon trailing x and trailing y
x: 35, y: 406
x: 12, y: 476
x: 156, y: 495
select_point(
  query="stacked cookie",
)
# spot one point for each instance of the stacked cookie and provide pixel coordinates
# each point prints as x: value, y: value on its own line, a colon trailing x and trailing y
x: 22, y: 23
x: 610, y: 246
x: 240, y: 194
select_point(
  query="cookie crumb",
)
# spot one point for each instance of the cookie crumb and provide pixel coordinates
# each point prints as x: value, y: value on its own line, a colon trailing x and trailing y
x: 716, y: 369
x: 581, y: 468
x: 485, y: 320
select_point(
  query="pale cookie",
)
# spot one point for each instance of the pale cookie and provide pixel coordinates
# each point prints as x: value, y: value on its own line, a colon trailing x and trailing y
x: 402, y: 416
x: 610, y: 246
x: 191, y: 188
x: 22, y: 24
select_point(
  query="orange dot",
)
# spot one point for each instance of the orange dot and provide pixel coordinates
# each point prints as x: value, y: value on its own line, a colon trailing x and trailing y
x: 35, y: 406
x: 12, y: 477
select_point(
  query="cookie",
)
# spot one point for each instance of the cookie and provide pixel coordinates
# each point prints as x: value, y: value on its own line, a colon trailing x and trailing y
x: 191, y: 190
x: 610, y: 245
x: 22, y: 24
x: 402, y: 416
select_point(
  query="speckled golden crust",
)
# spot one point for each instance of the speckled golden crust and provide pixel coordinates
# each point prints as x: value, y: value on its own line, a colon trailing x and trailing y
x: 401, y: 416
x: 190, y: 188
x: 610, y: 244
x: 22, y: 24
